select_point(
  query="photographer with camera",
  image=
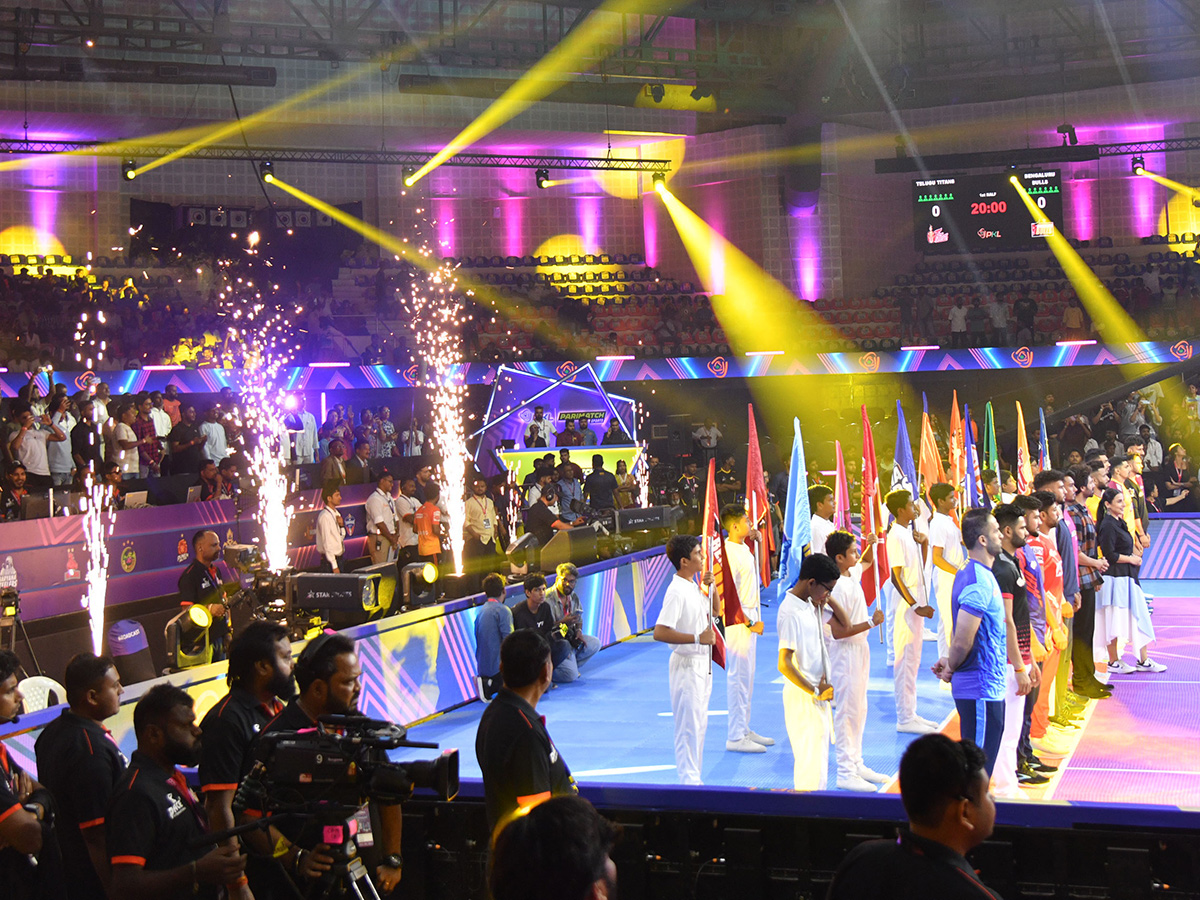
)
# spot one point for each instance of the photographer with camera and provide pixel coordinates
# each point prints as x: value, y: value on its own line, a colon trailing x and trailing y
x: 201, y: 583
x: 521, y: 766
x: 328, y: 675
x: 30, y: 865
x: 260, y: 670
x: 568, y: 616
x: 154, y: 818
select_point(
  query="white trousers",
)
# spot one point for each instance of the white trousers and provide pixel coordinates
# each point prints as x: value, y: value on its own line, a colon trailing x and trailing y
x: 909, y: 632
x: 740, y: 653
x: 1004, y: 775
x: 890, y: 599
x: 691, y: 685
x: 808, y: 728
x: 943, y: 584
x: 851, y: 665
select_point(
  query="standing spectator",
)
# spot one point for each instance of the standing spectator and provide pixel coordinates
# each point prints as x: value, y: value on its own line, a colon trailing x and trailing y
x: 186, y: 443
x: 1025, y: 312
x: 29, y: 444
x: 997, y: 310
x: 149, y: 449
x: 1073, y: 322
x: 601, y: 485
x: 706, y: 437
x: 1074, y: 435
x: 427, y: 522
x: 568, y: 437
x: 333, y: 468
x: 539, y: 431
x: 412, y: 439
x: 358, y: 468
x: 479, y: 533
x: 1153, y: 449
x: 904, y: 302
x: 1091, y: 569
x: 382, y: 521
x: 123, y: 444
x: 615, y: 434
x: 978, y: 320
x: 407, y: 505
x: 909, y: 603
x: 628, y: 490
x: 588, y: 436
x: 387, y: 433
x: 216, y: 445
x: 925, y: 309
x: 59, y: 452
x: 958, y: 324
x: 171, y: 404
x: 1122, y: 613
x: 492, y: 625
x: 162, y: 422
x: 85, y: 441
x: 331, y: 530
x: 306, y: 438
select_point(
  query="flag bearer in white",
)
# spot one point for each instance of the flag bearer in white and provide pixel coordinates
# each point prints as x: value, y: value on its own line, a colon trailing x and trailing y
x: 686, y: 622
x: 946, y: 557
x: 741, y: 640
x: 850, y: 658
x: 910, y: 603
x: 804, y: 663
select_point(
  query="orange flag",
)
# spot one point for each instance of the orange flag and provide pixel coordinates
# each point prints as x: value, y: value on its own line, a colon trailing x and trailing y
x: 1024, y: 473
x: 958, y: 467
x: 930, y: 467
x: 758, y: 506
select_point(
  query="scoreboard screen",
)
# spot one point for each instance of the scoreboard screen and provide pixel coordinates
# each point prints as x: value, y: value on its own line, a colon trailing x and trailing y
x: 984, y: 213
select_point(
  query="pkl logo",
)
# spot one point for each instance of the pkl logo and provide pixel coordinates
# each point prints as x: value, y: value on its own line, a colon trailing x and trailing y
x: 85, y: 380
x: 719, y: 366
x: 869, y: 361
x: 410, y: 374
x: 1023, y: 357
x: 1182, y: 350
x: 566, y: 369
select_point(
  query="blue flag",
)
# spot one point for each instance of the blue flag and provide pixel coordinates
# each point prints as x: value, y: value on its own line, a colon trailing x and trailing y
x: 1044, y: 450
x: 973, y: 492
x: 904, y: 470
x: 797, y: 518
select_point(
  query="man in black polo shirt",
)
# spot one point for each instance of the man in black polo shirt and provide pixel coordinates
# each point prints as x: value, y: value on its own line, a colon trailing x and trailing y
x: 944, y: 786
x: 535, y: 614
x: 201, y: 582
x: 600, y: 485
x: 260, y: 670
x: 154, y: 817
x: 85, y: 440
x: 79, y: 763
x: 542, y: 521
x: 186, y: 443
x: 520, y: 764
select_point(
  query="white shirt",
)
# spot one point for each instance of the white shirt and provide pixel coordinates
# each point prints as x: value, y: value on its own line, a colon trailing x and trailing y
x: 380, y: 507
x: 849, y: 595
x: 1154, y: 454
x: 945, y: 534
x: 162, y: 423
x: 406, y: 506
x: 822, y: 528
x: 412, y: 441
x: 707, y: 437
x: 331, y: 536
x: 127, y: 458
x: 903, y: 552
x: 685, y: 609
x: 799, y: 626
x: 33, y: 455
x: 306, y: 437
x: 745, y: 578
x: 215, y: 447
x: 544, y: 430
x: 59, y: 452
x: 958, y: 318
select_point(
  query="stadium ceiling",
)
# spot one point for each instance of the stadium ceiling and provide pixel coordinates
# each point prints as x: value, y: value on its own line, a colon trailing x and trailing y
x: 763, y: 59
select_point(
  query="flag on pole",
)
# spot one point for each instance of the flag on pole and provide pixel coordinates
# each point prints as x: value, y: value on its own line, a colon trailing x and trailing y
x: 841, y: 492
x: 797, y: 518
x: 1024, y: 473
x: 973, y: 493
x: 758, y: 506
x: 991, y: 456
x: 930, y: 470
x: 904, y: 470
x: 872, y: 513
x: 958, y: 468
x: 713, y: 550
x: 1044, y: 449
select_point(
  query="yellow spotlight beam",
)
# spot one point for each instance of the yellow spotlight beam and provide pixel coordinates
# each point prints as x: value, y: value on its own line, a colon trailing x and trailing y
x: 1112, y: 322
x: 602, y: 26
x: 87, y: 153
x: 1176, y: 186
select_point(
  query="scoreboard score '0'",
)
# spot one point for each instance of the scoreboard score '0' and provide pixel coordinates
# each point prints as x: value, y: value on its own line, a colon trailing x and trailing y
x: 984, y: 213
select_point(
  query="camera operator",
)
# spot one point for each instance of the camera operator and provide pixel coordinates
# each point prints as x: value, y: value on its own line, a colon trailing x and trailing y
x: 328, y: 675
x: 521, y: 766
x: 260, y: 670
x: 568, y: 616
x: 201, y: 583
x: 80, y: 764
x: 30, y: 865
x: 542, y: 521
x: 561, y: 850
x: 154, y: 817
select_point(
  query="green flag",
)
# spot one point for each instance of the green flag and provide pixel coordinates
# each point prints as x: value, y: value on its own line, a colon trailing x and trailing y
x: 990, y: 453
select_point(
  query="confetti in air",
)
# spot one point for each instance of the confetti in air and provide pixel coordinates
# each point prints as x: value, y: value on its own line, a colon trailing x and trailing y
x: 98, y: 518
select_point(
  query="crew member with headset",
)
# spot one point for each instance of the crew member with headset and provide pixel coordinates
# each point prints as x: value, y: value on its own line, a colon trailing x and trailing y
x: 201, y: 582
x: 331, y: 529
x: 383, y: 523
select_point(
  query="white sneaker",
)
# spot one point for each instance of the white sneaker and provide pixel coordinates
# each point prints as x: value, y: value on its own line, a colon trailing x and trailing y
x: 872, y: 776
x: 1149, y: 666
x: 934, y: 726
x: 1120, y: 667
x: 1050, y: 746
x: 915, y: 726
x: 745, y: 745
x: 854, y: 783
x: 759, y: 739
x: 929, y: 635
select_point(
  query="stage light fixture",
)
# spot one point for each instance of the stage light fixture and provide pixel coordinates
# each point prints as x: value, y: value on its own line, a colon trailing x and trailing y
x: 266, y: 170
x: 542, y: 178
x: 129, y: 169
x: 657, y: 92
x: 1138, y: 165
x: 1067, y: 130
x: 659, y: 181
x: 699, y: 93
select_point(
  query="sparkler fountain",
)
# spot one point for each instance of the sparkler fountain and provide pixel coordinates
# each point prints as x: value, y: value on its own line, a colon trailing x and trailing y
x: 98, y: 521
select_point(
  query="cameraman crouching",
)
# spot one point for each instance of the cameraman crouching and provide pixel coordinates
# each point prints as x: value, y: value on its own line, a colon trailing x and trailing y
x: 568, y: 616
x: 328, y: 676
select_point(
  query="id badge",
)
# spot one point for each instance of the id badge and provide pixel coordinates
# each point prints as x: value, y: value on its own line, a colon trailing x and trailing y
x: 362, y: 819
x: 487, y: 523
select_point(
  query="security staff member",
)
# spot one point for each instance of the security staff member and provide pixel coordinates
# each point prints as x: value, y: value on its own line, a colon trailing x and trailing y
x: 201, y: 583
x: 520, y: 764
x: 260, y: 669
x: 383, y: 523
x: 80, y: 764
x: 331, y: 529
x: 154, y: 817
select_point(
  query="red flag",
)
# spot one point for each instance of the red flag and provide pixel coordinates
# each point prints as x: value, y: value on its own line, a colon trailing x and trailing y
x: 758, y: 506
x: 714, y: 561
x: 872, y: 514
x: 841, y: 492
x: 958, y: 468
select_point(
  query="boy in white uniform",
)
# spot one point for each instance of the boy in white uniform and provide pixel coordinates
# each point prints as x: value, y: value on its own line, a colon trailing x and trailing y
x: 804, y: 663
x: 910, y: 608
x: 850, y: 658
x: 686, y: 623
x: 741, y: 640
x: 946, y: 557
x: 821, y: 502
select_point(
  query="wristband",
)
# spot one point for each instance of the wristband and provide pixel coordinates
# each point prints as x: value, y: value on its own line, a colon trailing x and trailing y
x: 1020, y: 671
x: 241, y: 882
x: 696, y: 639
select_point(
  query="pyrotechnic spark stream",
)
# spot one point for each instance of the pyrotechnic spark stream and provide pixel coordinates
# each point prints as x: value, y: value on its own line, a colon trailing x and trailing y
x: 98, y: 521
x: 641, y: 469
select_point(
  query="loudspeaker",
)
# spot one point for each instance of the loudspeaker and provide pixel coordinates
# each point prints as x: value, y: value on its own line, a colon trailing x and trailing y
x: 802, y: 183
x: 679, y: 435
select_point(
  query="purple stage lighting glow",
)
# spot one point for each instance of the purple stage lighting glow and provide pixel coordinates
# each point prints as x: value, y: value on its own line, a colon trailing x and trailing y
x: 588, y: 211
x: 443, y: 210
x: 514, y: 221
x: 806, y: 238
x: 650, y: 205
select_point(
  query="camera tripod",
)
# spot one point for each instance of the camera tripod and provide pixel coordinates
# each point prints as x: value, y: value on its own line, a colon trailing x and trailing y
x: 11, y: 624
x: 347, y: 877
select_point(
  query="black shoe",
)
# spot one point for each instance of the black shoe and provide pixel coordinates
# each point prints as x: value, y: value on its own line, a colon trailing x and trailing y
x: 1063, y: 722
x: 1031, y: 778
x: 1038, y: 766
x: 1097, y: 691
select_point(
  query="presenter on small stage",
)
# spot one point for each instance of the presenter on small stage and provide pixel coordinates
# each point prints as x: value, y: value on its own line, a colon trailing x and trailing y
x: 202, y: 583
x: 331, y: 530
